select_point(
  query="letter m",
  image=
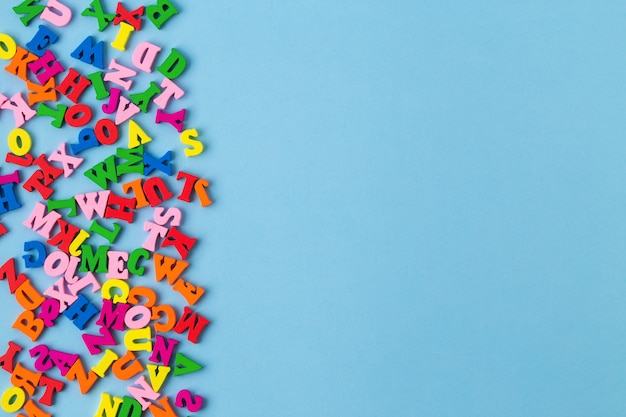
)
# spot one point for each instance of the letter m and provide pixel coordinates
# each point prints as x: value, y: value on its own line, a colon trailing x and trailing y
x: 41, y: 222
x: 193, y: 322
x: 112, y: 317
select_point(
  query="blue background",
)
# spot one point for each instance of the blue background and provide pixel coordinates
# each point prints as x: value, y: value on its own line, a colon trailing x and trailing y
x: 419, y: 205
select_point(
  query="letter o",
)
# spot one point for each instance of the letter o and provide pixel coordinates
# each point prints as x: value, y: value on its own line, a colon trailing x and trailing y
x: 137, y: 317
x: 13, y: 399
x: 19, y: 142
x: 56, y: 264
x: 8, y: 47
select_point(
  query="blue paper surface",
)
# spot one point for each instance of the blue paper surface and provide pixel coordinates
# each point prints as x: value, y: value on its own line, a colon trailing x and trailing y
x: 418, y: 206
